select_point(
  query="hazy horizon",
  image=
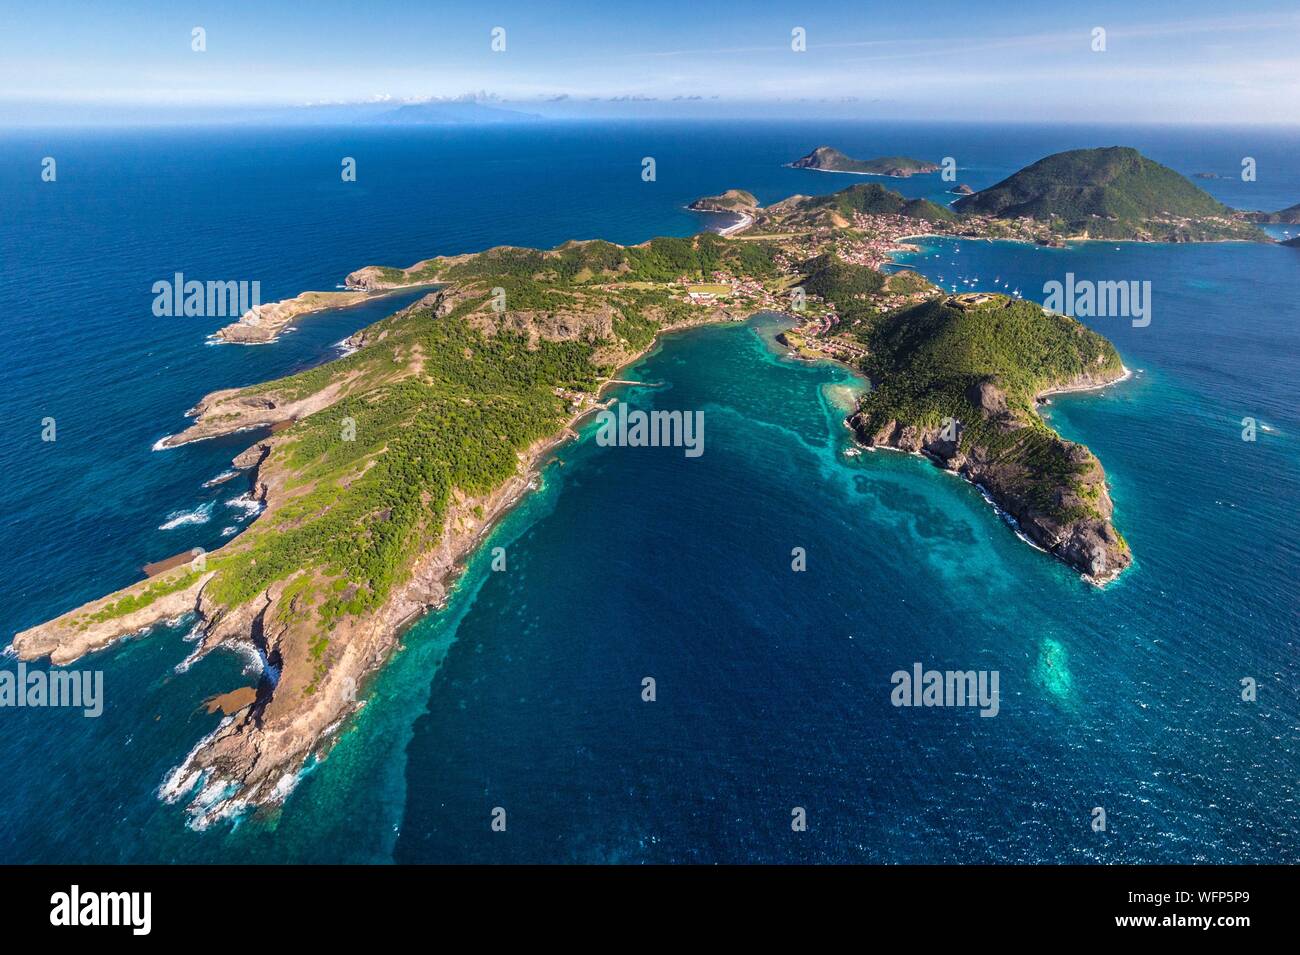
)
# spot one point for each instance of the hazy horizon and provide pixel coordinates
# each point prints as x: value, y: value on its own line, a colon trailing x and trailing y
x: 1173, y: 63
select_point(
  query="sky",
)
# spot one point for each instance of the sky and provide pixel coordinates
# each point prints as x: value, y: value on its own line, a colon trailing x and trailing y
x: 1179, y: 62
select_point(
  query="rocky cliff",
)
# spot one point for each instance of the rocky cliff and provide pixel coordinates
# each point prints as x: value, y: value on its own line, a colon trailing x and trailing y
x: 1085, y: 539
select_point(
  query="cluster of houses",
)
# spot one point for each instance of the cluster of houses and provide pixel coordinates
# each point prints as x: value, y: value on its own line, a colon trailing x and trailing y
x: 750, y: 290
x: 881, y: 238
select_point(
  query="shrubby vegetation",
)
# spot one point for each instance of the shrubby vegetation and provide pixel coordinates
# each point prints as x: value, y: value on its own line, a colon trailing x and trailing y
x: 936, y: 346
x: 575, y: 264
x: 437, y: 405
x: 847, y: 287
x: 359, y: 510
x: 138, y: 601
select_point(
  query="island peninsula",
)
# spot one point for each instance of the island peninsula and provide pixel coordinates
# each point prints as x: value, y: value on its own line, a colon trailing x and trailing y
x: 381, y: 470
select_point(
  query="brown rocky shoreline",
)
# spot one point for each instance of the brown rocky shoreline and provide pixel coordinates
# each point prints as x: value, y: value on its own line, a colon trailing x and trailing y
x: 264, y: 323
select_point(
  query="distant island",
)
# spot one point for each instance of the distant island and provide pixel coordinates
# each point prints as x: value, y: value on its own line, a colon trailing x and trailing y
x: 381, y: 470
x: 827, y: 159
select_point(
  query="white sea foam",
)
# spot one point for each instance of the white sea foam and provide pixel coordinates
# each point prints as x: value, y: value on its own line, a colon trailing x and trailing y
x: 284, y: 786
x: 189, y: 661
x: 199, y: 515
x: 254, y: 662
x: 246, y: 503
x: 1011, y: 521
x: 225, y: 808
x: 267, y: 669
x: 195, y: 635
x: 184, y: 778
x: 221, y: 478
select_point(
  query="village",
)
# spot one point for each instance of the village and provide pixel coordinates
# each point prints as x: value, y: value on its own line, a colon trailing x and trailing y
x: 821, y: 332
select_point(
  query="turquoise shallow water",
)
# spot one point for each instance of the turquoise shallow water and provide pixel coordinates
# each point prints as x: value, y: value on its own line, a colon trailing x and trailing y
x: 773, y: 686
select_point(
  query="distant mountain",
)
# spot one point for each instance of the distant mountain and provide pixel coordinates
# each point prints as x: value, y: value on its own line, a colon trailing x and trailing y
x: 1114, y: 192
x: 1288, y: 216
x: 451, y: 113
x: 826, y: 159
x: 1293, y: 243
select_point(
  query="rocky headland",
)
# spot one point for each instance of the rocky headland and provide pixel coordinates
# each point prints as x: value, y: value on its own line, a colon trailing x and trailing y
x: 264, y: 323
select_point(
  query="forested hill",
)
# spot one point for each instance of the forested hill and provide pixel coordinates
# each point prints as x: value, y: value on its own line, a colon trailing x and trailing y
x: 1111, y: 192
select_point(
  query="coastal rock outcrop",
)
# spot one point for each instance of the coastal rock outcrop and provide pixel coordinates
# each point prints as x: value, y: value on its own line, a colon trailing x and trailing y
x: 264, y: 323
x: 733, y: 200
x: 234, y: 409
x: 125, y: 612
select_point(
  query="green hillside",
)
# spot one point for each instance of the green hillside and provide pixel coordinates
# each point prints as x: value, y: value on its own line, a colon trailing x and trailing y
x: 1113, y: 192
x: 874, y: 199
x: 928, y: 356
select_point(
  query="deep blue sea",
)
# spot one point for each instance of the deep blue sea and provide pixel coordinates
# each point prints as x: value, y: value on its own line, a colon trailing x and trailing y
x: 772, y: 687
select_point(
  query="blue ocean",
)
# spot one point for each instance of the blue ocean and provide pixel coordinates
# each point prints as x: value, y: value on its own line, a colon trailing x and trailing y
x: 772, y: 686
